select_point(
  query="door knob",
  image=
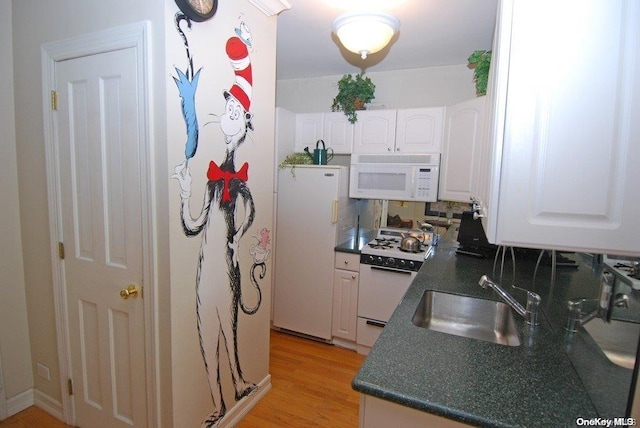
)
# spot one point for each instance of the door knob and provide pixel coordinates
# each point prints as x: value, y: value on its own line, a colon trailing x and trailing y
x: 130, y: 291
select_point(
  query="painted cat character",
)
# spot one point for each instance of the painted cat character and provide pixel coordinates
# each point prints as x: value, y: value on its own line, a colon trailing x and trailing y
x: 228, y: 211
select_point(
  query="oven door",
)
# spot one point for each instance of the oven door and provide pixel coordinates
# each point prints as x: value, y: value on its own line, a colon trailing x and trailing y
x: 380, y: 291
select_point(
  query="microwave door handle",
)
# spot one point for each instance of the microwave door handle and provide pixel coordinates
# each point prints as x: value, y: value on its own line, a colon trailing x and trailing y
x: 414, y: 180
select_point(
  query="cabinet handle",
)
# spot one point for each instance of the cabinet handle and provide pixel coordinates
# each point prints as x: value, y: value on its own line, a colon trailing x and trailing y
x: 477, y: 215
x: 353, y: 277
x: 346, y: 262
x: 376, y: 323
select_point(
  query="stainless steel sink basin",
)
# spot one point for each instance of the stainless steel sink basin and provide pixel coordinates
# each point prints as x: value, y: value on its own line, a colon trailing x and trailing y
x: 618, y: 340
x: 467, y: 317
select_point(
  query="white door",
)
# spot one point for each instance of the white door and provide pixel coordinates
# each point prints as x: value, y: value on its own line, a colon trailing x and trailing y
x: 100, y: 182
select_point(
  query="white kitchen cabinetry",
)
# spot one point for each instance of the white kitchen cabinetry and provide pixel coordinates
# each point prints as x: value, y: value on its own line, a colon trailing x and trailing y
x: 309, y: 127
x: 378, y: 413
x: 419, y: 130
x: 333, y: 128
x: 337, y: 132
x: 345, y: 296
x: 461, y: 150
x: 375, y: 132
x: 564, y: 173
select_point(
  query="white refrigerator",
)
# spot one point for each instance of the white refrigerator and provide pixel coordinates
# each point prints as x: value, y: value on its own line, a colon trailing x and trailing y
x: 314, y: 214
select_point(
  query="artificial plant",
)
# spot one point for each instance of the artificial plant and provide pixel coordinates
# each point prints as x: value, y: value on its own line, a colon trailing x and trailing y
x: 480, y: 60
x: 353, y: 93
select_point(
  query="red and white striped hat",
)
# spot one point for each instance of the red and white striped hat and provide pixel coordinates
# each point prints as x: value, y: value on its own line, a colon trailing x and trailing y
x: 239, y: 56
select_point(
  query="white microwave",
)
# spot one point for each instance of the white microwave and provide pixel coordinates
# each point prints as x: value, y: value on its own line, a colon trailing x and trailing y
x: 397, y: 177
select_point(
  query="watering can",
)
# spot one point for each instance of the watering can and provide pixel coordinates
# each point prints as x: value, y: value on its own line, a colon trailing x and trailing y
x: 320, y: 155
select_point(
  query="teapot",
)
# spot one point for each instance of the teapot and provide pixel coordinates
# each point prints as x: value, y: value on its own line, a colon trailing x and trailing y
x: 320, y: 155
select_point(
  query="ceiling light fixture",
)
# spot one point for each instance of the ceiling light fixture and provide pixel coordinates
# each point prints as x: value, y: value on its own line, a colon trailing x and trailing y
x: 365, y: 33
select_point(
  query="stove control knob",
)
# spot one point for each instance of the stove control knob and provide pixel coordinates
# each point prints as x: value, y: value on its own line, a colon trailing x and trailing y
x: 391, y: 261
x: 412, y: 265
x: 379, y: 260
x: 403, y: 263
x: 371, y: 259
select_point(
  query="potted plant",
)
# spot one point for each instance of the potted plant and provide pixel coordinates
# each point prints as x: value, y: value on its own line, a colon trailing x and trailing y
x: 294, y: 159
x: 480, y: 60
x: 353, y: 93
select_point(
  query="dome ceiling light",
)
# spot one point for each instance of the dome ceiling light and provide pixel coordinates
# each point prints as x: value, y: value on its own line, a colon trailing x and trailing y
x: 365, y: 33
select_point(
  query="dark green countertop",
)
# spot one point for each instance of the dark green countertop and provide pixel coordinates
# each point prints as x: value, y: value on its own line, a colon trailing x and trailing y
x: 355, y: 244
x: 549, y: 380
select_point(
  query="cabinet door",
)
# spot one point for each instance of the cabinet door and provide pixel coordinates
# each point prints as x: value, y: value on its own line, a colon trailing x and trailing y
x: 375, y: 132
x: 569, y: 171
x: 308, y: 130
x: 419, y: 130
x: 345, y: 304
x: 461, y: 149
x: 338, y: 133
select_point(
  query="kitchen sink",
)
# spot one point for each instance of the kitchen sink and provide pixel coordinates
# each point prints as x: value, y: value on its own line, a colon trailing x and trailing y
x: 617, y: 339
x: 469, y: 317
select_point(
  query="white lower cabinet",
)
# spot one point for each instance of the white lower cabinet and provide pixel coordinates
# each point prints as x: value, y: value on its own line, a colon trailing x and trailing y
x: 345, y: 296
x: 378, y: 413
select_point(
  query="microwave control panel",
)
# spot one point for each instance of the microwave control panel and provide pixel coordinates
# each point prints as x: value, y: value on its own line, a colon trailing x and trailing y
x: 425, y: 181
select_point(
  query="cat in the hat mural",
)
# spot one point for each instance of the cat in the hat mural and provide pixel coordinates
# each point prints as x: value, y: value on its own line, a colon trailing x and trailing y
x: 228, y: 211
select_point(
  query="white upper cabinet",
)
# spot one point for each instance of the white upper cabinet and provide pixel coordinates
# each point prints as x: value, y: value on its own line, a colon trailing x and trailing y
x: 419, y: 130
x: 338, y: 132
x: 375, y: 131
x: 461, y: 150
x: 309, y: 127
x: 565, y: 134
x: 333, y: 128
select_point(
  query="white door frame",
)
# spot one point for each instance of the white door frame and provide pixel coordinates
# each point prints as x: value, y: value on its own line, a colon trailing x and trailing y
x: 137, y: 36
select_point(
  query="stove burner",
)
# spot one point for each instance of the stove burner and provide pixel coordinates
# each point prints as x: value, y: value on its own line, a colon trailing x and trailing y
x: 421, y: 250
x: 632, y: 270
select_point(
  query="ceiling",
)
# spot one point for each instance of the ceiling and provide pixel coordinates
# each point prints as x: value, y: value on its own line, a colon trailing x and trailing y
x: 432, y: 33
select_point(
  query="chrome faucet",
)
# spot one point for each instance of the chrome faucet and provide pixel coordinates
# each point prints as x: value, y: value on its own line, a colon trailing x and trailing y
x: 530, y: 313
x: 605, y: 303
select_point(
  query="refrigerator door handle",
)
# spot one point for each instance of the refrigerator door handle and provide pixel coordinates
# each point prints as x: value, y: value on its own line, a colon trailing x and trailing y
x: 334, y: 211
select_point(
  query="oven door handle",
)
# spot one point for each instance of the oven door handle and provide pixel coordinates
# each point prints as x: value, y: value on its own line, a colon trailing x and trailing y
x: 376, y: 323
x: 406, y: 272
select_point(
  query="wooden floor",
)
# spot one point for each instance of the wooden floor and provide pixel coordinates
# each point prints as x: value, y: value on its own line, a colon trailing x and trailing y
x: 311, y: 387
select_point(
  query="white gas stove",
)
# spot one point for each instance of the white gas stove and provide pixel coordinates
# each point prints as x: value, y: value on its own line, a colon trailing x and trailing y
x: 627, y: 270
x: 385, y: 250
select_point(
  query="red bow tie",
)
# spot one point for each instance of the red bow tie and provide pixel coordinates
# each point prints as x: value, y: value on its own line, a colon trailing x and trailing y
x: 215, y: 173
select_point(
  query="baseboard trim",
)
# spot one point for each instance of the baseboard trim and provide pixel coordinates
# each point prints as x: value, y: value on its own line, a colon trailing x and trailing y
x: 242, y: 407
x: 19, y: 402
x: 48, y: 404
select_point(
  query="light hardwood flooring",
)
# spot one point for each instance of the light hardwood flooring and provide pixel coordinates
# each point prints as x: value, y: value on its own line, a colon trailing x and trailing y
x: 311, y: 387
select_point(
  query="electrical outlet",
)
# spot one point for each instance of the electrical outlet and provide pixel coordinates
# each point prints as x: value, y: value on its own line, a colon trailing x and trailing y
x: 43, y: 371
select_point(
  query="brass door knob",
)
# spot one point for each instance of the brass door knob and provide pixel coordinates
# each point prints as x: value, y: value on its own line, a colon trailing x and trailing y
x: 130, y: 291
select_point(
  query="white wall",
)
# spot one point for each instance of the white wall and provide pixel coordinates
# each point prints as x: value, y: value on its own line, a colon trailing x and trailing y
x: 34, y: 23
x: 15, y: 352
x: 421, y: 87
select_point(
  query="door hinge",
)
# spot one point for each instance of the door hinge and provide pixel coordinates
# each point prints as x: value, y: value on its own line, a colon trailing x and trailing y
x: 54, y: 100
x: 70, y: 386
x: 61, y: 250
